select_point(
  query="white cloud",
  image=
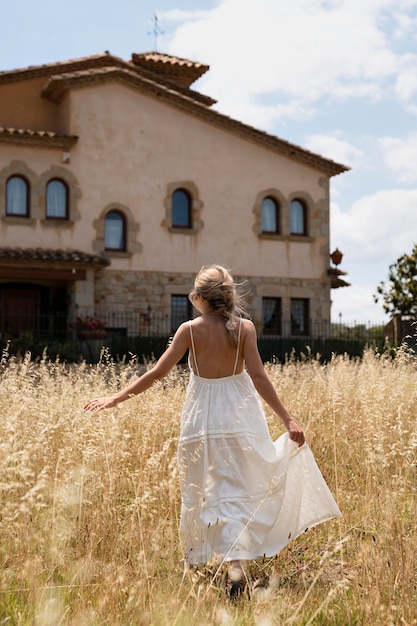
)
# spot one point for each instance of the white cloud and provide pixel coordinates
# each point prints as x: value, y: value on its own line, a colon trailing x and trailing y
x: 264, y: 115
x: 406, y: 83
x: 355, y: 304
x: 400, y: 155
x: 305, y: 50
x: 371, y: 91
x: 410, y: 108
x: 334, y: 148
x: 404, y: 23
x: 181, y: 15
x: 378, y: 228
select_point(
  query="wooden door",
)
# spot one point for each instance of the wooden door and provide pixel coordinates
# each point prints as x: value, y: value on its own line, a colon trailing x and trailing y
x: 20, y: 310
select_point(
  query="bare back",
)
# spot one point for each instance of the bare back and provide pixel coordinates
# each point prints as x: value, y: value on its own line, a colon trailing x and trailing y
x: 215, y: 353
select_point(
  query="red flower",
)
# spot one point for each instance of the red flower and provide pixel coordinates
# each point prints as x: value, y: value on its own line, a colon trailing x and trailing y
x: 87, y: 323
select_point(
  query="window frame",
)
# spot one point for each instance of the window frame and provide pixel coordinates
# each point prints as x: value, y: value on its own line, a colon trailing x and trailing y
x: 276, y: 316
x: 123, y: 219
x: 189, y: 209
x: 177, y: 318
x: 276, y: 208
x: 304, y: 329
x: 67, y: 200
x: 302, y: 204
x: 27, y: 199
x: 197, y: 207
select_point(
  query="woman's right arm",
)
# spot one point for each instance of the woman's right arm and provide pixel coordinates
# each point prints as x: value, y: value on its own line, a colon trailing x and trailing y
x: 170, y: 357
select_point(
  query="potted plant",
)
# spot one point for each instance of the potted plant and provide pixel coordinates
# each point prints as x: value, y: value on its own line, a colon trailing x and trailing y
x: 89, y: 328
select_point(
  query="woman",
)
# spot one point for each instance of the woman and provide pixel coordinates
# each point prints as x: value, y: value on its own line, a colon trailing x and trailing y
x: 243, y: 495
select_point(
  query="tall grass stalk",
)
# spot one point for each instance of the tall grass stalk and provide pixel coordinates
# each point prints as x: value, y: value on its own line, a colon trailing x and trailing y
x: 89, y: 504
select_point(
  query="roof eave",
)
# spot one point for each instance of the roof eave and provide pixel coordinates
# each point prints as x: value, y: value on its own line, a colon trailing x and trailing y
x: 39, y: 71
x: 171, y: 67
x: 39, y: 257
x: 57, y: 87
x: 37, y: 138
x: 111, y: 67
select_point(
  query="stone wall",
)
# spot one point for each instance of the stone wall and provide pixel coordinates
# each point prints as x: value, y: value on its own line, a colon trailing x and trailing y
x: 139, y: 292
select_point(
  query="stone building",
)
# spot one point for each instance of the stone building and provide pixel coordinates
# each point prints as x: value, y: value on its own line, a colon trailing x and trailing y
x: 118, y: 181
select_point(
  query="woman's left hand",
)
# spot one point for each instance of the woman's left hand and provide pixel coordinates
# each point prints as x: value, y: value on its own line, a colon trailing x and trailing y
x: 296, y: 433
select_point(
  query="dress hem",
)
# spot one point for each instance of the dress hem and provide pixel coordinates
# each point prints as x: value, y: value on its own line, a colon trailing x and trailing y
x: 240, y: 555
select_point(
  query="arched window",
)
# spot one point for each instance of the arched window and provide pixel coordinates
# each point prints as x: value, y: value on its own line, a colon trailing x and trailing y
x: 270, y: 215
x: 181, y: 209
x: 57, y: 199
x: 115, y: 231
x: 17, y: 196
x: 298, y: 218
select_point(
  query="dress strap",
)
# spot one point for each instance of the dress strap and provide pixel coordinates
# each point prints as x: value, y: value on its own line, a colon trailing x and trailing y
x: 238, y: 346
x: 193, y: 348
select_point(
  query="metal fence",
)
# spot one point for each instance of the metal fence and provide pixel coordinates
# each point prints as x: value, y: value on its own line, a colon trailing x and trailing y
x: 146, y: 334
x: 154, y: 324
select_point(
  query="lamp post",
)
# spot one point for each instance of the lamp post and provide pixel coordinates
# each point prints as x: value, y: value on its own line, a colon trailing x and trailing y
x: 336, y: 257
x: 334, y: 272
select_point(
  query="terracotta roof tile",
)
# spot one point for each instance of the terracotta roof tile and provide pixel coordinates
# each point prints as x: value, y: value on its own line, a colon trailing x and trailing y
x: 106, y: 60
x: 144, y: 73
x: 183, y: 71
x: 57, y: 86
x: 49, y: 255
x: 33, y: 71
x: 335, y: 281
x: 168, y: 59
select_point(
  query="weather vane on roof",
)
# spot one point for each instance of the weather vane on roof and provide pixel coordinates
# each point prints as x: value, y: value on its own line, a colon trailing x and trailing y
x: 155, y: 31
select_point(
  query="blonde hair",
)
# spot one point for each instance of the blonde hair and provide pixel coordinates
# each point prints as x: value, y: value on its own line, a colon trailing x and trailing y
x: 216, y: 285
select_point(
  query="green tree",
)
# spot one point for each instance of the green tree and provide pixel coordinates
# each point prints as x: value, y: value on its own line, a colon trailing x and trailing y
x: 399, y: 294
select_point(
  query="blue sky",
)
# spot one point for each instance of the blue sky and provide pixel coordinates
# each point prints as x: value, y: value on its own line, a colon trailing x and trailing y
x: 338, y: 77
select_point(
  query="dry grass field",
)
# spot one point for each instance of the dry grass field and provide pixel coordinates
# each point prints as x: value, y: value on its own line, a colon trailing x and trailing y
x: 90, y: 503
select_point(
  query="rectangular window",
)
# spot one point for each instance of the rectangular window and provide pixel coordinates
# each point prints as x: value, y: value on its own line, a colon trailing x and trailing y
x: 271, y: 316
x: 181, y: 311
x: 300, y: 316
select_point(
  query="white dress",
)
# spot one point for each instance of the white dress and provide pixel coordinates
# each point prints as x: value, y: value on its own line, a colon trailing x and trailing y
x: 243, y: 495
